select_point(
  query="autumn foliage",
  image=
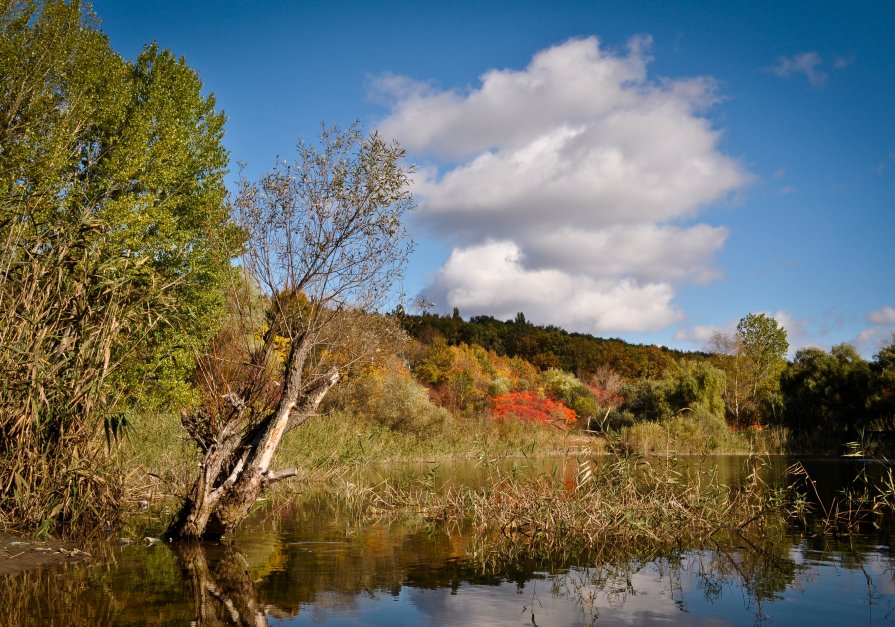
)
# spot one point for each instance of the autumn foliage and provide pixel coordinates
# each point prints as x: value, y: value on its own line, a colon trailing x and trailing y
x: 607, y: 398
x: 528, y: 406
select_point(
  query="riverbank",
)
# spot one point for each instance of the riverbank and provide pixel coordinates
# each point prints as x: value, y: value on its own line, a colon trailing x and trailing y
x: 329, y: 447
x: 18, y: 553
x: 320, y: 560
x: 156, y: 463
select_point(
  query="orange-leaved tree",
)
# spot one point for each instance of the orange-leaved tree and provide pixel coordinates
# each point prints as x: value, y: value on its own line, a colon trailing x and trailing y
x: 529, y: 406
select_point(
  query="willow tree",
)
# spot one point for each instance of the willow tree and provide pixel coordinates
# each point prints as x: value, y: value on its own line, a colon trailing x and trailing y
x: 326, y: 244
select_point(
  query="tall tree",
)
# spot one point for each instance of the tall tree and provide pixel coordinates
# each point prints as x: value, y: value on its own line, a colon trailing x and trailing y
x: 882, y: 399
x: 755, y: 358
x: 325, y: 244
x: 764, y: 344
x: 115, y: 237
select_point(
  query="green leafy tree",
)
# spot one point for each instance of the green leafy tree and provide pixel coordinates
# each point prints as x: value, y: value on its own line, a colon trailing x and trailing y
x: 115, y: 237
x: 648, y: 400
x: 755, y: 358
x: 882, y: 399
x: 692, y: 386
x: 826, y: 394
x: 697, y: 386
x: 763, y: 343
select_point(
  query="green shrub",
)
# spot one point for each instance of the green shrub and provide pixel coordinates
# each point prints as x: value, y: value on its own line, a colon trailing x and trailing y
x: 690, y: 386
x: 697, y: 385
x: 647, y: 400
x: 696, y: 432
x: 397, y: 401
x: 645, y: 438
x: 566, y: 387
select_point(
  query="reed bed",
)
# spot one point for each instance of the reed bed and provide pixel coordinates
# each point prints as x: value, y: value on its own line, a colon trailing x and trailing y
x: 626, y: 505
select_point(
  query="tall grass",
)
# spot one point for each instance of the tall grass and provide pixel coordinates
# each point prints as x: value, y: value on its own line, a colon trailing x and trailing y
x: 614, y: 508
x: 158, y: 461
x: 862, y: 503
x: 346, y: 439
x: 697, y: 433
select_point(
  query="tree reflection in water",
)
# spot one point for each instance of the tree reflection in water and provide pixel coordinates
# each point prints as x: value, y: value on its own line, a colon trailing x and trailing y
x: 222, y: 589
x: 328, y: 573
x: 313, y: 561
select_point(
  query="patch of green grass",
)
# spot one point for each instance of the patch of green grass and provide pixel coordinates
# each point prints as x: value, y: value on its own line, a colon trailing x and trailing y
x: 342, y: 439
x: 158, y: 462
x: 697, y: 433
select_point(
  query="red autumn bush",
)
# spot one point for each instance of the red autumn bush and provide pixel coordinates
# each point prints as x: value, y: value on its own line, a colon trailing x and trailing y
x: 528, y: 406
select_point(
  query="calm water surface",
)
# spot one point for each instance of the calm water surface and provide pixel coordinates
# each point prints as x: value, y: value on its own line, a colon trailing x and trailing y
x: 310, y: 563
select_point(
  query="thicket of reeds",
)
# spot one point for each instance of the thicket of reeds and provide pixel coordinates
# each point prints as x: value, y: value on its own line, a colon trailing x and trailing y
x: 698, y: 433
x: 863, y: 503
x: 324, y: 451
x: 625, y: 505
x: 618, y: 508
x: 64, y: 309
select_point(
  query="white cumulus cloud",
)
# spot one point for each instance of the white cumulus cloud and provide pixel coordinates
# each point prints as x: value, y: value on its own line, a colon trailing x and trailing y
x: 798, y: 332
x: 492, y: 278
x: 577, y: 178
x: 880, y: 333
x: 886, y: 315
x: 700, y: 336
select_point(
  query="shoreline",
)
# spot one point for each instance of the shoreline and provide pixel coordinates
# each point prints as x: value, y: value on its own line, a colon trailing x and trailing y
x: 20, y: 553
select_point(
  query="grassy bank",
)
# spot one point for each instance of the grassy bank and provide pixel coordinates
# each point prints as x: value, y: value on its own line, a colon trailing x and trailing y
x: 698, y: 433
x: 159, y: 463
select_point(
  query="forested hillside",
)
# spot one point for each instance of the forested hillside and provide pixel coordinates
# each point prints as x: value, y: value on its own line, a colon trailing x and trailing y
x: 548, y: 346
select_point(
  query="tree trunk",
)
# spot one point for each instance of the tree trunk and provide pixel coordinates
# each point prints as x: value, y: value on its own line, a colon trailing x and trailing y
x: 236, y: 467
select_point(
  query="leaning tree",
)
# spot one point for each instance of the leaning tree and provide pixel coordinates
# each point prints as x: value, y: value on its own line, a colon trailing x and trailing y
x: 325, y: 246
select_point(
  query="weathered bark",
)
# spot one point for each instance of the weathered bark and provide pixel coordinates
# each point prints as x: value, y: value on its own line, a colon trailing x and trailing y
x: 235, y: 469
x: 256, y: 476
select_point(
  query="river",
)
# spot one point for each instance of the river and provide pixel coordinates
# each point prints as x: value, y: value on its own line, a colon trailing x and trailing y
x: 310, y: 562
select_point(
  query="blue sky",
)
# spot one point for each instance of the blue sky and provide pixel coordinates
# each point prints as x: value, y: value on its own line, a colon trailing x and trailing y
x: 646, y: 170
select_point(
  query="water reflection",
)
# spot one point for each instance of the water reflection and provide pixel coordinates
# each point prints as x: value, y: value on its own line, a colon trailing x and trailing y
x: 313, y: 562
x: 218, y: 578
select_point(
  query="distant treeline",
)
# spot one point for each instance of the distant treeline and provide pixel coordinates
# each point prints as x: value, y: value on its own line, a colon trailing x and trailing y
x: 823, y: 399
x: 548, y: 346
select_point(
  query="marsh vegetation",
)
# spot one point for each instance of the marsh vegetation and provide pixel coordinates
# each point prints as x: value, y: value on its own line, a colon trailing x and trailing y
x: 435, y: 544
